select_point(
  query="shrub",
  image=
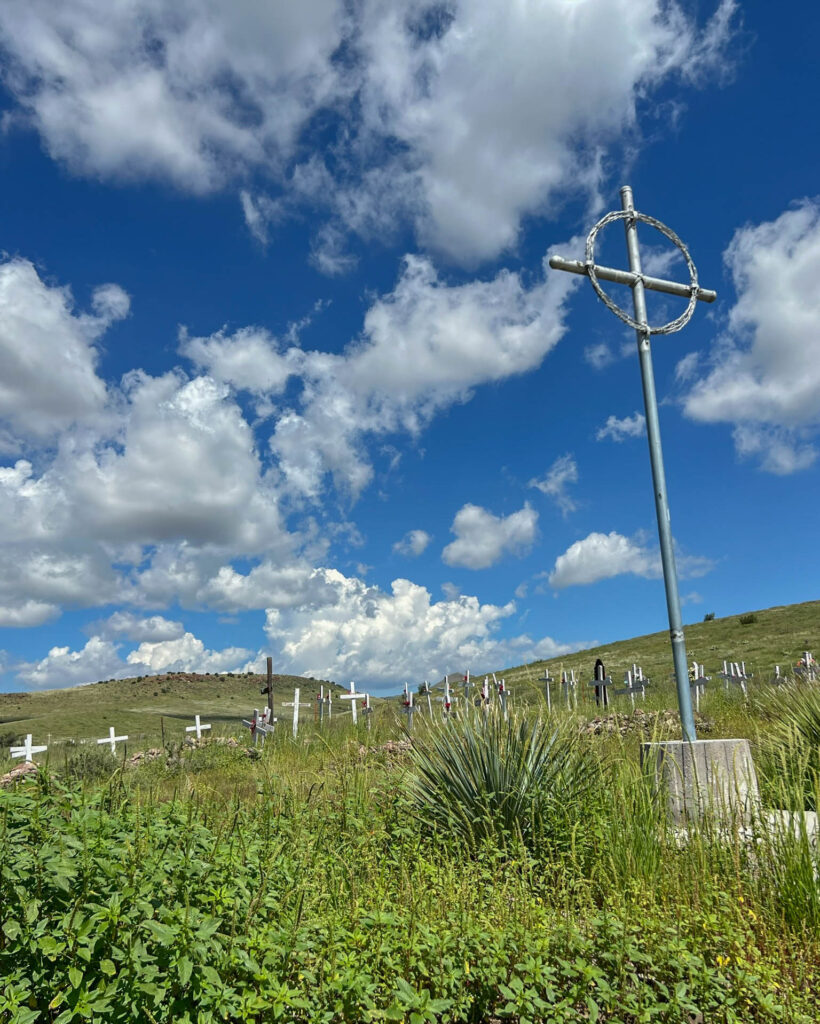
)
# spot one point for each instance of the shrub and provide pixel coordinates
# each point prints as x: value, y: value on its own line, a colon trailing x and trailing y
x: 91, y: 764
x: 487, y: 779
x: 747, y: 620
x: 709, y: 617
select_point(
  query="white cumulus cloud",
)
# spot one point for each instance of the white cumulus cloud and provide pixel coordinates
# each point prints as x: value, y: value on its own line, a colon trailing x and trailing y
x: 562, y: 473
x: 601, y: 556
x: 483, y: 539
x: 413, y: 543
x: 620, y: 429
x: 764, y: 376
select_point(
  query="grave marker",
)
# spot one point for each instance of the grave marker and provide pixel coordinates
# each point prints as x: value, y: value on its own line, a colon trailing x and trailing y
x: 425, y: 690
x: 197, y: 727
x: 697, y: 682
x: 352, y: 696
x: 643, y: 331
x: 112, y: 740
x: 295, y: 705
x: 447, y: 699
x: 367, y: 710
x: 601, y: 682
x: 633, y: 685
x: 409, y: 708
x: 467, y: 684
x: 27, y: 750
x: 502, y: 696
x: 546, y: 680
x: 735, y: 673
x: 806, y: 667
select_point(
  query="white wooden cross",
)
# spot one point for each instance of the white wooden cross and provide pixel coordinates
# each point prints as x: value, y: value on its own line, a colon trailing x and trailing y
x: 735, y: 673
x: 426, y: 692
x: 698, y: 682
x: 255, y: 726
x: 353, y: 697
x: 447, y: 699
x: 806, y: 667
x: 27, y: 750
x: 547, y: 679
x: 485, y: 692
x: 633, y: 684
x: 197, y: 727
x: 320, y: 700
x: 367, y: 710
x: 467, y: 684
x: 295, y: 705
x: 112, y: 739
x: 409, y: 708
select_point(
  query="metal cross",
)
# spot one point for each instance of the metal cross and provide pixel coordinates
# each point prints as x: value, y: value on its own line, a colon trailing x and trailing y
x: 639, y: 282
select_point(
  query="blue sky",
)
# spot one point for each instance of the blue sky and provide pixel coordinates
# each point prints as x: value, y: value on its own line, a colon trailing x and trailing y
x: 283, y: 369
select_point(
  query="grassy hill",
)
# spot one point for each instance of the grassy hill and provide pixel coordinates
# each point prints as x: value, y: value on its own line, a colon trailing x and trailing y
x: 143, y: 706
x: 763, y: 639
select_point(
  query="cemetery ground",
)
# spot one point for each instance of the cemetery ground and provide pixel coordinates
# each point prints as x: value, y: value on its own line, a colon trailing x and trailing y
x: 482, y: 871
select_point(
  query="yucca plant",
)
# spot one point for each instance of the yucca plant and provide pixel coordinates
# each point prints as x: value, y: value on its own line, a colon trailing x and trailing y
x: 484, y: 779
x: 790, y: 752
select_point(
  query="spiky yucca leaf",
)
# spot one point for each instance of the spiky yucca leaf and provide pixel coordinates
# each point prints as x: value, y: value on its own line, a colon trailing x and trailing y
x: 790, y: 752
x: 483, y: 778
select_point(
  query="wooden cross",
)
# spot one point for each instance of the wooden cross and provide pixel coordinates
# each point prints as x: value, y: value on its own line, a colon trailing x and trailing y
x: 255, y: 726
x: 409, y: 708
x: 806, y: 667
x: 426, y: 692
x: 352, y: 696
x: 633, y: 685
x: 467, y: 684
x: 698, y: 682
x: 197, y: 727
x: 295, y: 705
x: 546, y: 679
x: 112, y: 739
x: 735, y: 673
x: 447, y: 699
x: 27, y: 750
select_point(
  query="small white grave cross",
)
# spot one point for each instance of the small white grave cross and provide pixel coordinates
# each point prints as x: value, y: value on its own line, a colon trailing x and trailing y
x: 547, y: 679
x: 409, y: 708
x: 254, y: 725
x: 112, y: 739
x: 295, y: 705
x: 353, y: 697
x: 426, y: 692
x: 447, y: 699
x: 197, y: 727
x: 735, y: 673
x: 806, y: 667
x: 467, y: 684
x: 697, y: 682
x: 27, y: 750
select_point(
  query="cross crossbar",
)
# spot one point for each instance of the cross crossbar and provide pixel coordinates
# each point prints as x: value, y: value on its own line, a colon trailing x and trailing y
x: 654, y: 284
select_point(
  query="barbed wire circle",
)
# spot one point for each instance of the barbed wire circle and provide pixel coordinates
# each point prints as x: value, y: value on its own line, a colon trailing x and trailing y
x: 644, y: 218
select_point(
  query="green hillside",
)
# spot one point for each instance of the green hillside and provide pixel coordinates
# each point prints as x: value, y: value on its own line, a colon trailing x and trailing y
x: 144, y: 706
x: 761, y: 639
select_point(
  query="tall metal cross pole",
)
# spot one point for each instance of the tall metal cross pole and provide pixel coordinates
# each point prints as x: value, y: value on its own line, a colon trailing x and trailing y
x: 639, y: 282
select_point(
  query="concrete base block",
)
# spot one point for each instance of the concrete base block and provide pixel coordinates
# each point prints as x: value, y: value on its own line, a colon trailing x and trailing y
x: 714, y: 777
